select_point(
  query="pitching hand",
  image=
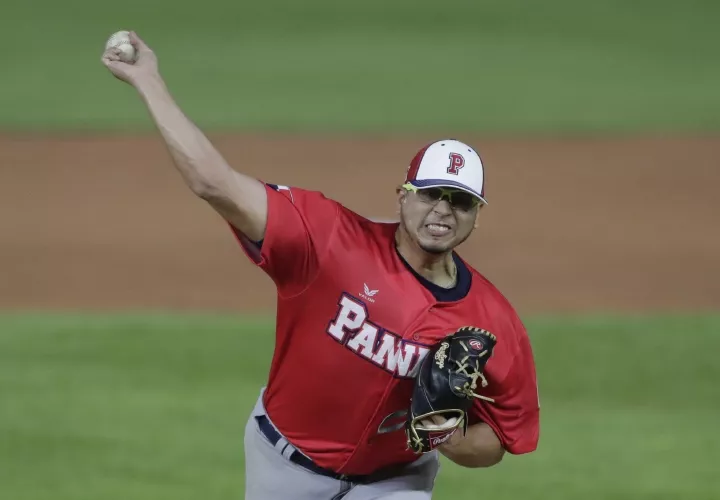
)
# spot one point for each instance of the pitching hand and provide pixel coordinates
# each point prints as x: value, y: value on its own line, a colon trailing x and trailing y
x: 439, y: 422
x: 145, y: 66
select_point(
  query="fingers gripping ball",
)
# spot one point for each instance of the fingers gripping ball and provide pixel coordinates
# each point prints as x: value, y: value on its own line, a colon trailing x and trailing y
x: 121, y: 41
x: 445, y: 387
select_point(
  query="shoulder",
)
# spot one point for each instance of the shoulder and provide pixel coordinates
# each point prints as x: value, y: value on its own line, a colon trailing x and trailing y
x: 495, y: 307
x: 513, y: 360
x: 299, y: 196
x: 316, y: 207
x: 488, y: 291
x: 374, y: 228
x: 310, y: 207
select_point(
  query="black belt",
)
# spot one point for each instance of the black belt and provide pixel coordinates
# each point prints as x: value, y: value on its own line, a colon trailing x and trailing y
x: 298, y: 458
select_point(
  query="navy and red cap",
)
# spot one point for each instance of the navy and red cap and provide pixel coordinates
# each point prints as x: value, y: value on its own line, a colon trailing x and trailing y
x: 448, y: 163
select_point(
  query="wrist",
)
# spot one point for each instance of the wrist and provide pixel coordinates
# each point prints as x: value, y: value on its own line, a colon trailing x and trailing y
x: 479, y: 447
x: 148, y: 86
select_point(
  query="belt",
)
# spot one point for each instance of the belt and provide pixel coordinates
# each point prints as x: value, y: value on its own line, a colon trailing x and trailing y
x: 298, y: 458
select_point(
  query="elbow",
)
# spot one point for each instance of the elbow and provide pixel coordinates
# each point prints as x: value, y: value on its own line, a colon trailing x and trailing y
x: 484, y: 461
x: 205, y: 189
x: 489, y: 461
x: 214, y: 188
x: 477, y: 460
x: 207, y: 183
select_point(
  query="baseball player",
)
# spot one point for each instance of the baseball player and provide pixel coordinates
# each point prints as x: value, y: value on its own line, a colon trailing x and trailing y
x: 359, y: 306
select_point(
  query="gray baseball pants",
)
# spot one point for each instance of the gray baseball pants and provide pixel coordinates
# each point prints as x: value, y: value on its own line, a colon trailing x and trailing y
x: 270, y: 475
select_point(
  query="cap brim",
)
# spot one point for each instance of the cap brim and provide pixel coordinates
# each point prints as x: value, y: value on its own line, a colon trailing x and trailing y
x: 428, y: 183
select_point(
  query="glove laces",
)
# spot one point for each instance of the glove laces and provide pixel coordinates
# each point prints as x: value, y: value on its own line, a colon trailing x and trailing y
x: 472, y: 371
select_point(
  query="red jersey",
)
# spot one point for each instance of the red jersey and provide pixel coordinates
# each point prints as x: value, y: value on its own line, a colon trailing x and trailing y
x: 353, y: 324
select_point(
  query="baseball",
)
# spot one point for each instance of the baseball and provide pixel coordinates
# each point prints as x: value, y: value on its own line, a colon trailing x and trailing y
x: 121, y: 40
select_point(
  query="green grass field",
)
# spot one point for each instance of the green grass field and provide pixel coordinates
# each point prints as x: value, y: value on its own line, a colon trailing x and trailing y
x: 495, y: 66
x: 154, y: 407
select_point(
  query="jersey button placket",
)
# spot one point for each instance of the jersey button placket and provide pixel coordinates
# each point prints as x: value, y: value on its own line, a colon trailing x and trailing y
x: 418, y: 321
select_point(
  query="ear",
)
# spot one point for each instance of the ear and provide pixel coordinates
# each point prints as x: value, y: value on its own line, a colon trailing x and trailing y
x: 401, y: 194
x: 477, y: 216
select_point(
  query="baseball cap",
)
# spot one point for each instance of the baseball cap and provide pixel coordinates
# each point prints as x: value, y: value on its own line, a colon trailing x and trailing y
x: 448, y: 163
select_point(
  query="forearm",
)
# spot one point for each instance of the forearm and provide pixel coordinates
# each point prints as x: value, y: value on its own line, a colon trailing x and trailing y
x: 480, y: 447
x: 202, y: 167
x: 237, y: 197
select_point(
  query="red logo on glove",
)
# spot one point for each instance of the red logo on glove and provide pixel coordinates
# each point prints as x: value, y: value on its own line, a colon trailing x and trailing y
x: 477, y: 345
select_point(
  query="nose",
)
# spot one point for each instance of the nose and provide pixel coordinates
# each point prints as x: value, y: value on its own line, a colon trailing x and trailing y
x: 442, y: 207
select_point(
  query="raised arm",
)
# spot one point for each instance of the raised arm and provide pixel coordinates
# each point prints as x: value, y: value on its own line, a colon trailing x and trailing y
x: 240, y: 199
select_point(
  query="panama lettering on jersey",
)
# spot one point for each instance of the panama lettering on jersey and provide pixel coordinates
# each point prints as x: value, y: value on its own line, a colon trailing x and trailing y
x: 352, y: 328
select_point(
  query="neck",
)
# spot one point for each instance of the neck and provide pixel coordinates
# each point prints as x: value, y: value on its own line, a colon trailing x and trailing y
x: 439, y: 268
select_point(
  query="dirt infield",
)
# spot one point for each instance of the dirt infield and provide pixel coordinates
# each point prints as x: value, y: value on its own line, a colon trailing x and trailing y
x: 97, y: 223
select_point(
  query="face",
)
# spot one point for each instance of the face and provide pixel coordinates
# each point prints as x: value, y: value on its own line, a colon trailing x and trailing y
x: 434, y: 223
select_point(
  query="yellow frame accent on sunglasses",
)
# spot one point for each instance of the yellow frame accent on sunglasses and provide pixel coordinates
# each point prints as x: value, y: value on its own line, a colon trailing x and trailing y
x: 445, y: 193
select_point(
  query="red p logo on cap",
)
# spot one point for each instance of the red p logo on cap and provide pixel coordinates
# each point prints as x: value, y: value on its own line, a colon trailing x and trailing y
x: 456, y: 163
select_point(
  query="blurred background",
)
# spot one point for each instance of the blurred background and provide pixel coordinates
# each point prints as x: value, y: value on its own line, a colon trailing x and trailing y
x: 135, y: 335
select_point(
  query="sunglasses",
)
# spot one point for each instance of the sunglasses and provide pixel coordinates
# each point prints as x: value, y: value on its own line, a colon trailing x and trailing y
x: 460, y: 200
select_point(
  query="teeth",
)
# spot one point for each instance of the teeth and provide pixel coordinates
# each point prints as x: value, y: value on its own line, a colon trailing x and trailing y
x: 438, y: 227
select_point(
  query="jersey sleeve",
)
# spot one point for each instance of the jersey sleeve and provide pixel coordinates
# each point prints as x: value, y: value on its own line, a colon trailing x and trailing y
x: 299, y: 228
x: 515, y: 413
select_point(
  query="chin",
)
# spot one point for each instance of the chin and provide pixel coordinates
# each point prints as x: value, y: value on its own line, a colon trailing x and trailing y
x: 435, y: 247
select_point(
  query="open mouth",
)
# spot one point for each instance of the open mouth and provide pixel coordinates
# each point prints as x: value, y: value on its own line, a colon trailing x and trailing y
x: 438, y: 229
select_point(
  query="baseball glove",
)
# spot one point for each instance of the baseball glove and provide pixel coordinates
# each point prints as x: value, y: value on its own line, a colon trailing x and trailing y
x: 444, y: 387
